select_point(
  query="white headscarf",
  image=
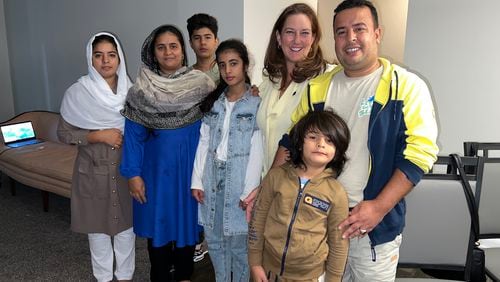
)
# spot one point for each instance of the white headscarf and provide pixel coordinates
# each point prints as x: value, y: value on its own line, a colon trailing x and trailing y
x: 90, y: 103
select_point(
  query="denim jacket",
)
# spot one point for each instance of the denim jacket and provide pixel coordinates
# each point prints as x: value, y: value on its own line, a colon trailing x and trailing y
x: 241, y: 128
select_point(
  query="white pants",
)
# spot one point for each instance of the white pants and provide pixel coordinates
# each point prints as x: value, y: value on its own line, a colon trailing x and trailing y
x: 360, y: 266
x: 101, y: 251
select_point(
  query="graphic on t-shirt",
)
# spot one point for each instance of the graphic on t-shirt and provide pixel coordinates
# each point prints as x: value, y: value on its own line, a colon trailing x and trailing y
x: 365, y: 107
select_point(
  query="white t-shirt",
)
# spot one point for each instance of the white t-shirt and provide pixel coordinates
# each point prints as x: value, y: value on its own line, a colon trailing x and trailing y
x: 352, y: 99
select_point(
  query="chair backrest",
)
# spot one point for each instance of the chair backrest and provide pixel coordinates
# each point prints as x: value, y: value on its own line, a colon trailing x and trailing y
x: 488, y: 198
x: 438, y: 222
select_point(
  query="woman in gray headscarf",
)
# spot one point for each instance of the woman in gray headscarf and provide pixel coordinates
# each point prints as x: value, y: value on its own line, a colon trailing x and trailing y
x: 161, y: 135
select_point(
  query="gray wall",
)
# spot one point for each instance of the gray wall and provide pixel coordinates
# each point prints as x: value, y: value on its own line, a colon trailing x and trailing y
x: 47, y: 39
x: 454, y: 45
x: 6, y: 104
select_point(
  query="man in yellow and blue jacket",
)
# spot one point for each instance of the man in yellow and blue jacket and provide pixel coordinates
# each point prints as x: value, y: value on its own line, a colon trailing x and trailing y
x: 391, y: 117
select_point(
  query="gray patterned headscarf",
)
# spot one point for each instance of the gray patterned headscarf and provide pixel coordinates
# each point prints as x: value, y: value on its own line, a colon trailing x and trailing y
x: 166, y: 102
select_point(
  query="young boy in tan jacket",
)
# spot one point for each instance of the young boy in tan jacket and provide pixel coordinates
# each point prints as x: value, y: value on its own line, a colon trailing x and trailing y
x: 293, y: 234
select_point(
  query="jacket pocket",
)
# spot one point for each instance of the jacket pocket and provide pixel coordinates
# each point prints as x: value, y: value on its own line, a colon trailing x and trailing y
x: 92, y: 180
x: 210, y: 119
x: 245, y: 122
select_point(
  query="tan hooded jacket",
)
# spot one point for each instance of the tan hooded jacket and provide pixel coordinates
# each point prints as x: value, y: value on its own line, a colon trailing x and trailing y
x: 293, y: 232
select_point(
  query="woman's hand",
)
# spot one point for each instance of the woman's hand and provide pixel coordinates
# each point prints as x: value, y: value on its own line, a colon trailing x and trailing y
x: 255, y: 90
x: 113, y: 137
x: 281, y: 157
x: 259, y: 274
x: 199, y: 195
x: 137, y: 189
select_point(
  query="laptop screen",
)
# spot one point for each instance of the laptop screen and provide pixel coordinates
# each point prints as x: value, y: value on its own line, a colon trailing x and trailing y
x: 17, y: 132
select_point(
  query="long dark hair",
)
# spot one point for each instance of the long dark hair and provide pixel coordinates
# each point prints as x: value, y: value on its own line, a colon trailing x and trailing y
x: 238, y: 47
x: 332, y: 126
x: 148, y: 47
x: 274, y: 61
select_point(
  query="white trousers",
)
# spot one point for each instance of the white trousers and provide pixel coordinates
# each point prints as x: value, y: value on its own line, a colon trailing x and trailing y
x: 101, y: 251
x: 361, y: 266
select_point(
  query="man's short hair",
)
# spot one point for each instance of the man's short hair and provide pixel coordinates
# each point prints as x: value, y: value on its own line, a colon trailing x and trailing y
x: 349, y: 4
x: 201, y: 20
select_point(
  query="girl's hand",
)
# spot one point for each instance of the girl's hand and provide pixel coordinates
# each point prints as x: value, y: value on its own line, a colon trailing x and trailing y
x: 259, y: 274
x: 198, y: 194
x: 137, y: 189
x: 242, y: 205
x: 113, y: 137
x: 249, y: 202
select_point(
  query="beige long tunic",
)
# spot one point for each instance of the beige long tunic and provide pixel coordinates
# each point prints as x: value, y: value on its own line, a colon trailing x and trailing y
x: 100, y: 201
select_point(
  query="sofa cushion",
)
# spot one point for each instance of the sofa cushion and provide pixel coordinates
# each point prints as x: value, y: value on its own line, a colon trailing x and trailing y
x: 50, y: 159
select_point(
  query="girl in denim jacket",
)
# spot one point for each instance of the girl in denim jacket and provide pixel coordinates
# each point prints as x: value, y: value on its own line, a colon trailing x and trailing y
x: 222, y: 177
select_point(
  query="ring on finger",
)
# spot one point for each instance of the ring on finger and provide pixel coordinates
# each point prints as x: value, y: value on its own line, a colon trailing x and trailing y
x: 362, y: 231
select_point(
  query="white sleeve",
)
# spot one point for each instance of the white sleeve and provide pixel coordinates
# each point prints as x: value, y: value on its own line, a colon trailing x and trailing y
x: 201, y: 156
x: 254, y: 167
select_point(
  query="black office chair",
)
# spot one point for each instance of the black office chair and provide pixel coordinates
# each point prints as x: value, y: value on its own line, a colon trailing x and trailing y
x: 438, y: 233
x: 488, y: 201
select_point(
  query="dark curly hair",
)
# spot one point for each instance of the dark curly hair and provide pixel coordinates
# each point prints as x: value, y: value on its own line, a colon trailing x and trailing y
x: 201, y: 20
x: 332, y: 126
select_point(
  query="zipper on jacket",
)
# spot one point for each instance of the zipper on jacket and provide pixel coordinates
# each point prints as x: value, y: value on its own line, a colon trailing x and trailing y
x: 374, y: 254
x: 396, y: 98
x: 289, y: 233
x: 370, y: 130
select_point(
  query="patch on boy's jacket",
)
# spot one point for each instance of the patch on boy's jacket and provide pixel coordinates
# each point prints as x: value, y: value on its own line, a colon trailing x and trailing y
x: 317, y: 203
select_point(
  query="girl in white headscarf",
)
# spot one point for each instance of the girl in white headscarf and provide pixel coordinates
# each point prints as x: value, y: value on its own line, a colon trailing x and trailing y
x: 100, y: 202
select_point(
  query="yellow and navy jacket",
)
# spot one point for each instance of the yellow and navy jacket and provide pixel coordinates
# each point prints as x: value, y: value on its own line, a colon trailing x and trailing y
x: 402, y: 135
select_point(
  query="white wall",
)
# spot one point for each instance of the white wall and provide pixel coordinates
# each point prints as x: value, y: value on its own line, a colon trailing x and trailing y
x: 47, y: 38
x: 260, y: 16
x: 454, y: 45
x: 392, y: 19
x: 7, y: 104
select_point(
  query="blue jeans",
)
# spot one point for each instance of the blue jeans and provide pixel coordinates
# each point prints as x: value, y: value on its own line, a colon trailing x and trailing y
x: 228, y: 253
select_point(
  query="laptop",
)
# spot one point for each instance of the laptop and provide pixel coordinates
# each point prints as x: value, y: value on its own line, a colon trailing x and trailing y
x: 19, y: 134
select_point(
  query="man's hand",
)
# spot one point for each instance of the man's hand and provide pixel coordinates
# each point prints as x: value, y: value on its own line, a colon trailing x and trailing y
x: 137, y: 189
x: 368, y: 214
x: 258, y: 274
x: 199, y: 195
x: 362, y: 219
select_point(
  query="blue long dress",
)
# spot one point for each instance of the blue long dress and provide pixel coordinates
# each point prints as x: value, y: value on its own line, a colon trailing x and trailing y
x: 164, y: 159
